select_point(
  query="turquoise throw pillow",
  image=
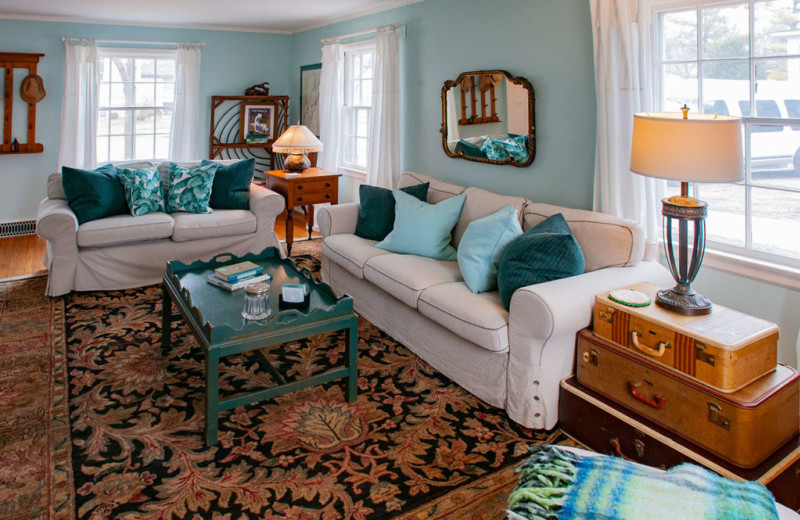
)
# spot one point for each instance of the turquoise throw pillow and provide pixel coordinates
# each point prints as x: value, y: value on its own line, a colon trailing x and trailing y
x: 423, y: 229
x: 190, y: 190
x: 500, y: 149
x: 143, y: 190
x: 376, y: 214
x: 545, y: 252
x: 483, y: 244
x: 231, y: 188
x: 93, y: 194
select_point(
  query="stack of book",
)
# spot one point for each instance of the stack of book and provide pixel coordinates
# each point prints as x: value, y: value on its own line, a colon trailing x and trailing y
x: 257, y: 138
x: 236, y: 276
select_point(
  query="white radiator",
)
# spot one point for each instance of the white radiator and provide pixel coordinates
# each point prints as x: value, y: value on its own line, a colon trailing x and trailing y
x: 18, y: 228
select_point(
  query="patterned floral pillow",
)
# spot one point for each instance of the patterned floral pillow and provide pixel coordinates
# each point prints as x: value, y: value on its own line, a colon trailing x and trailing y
x: 143, y: 190
x: 190, y: 190
x: 501, y: 149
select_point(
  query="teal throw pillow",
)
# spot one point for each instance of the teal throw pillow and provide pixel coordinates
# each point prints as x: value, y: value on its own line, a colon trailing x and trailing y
x: 483, y: 244
x: 143, y: 190
x: 500, y: 149
x: 545, y: 252
x: 376, y: 214
x: 93, y: 194
x: 190, y: 190
x: 423, y: 229
x: 231, y: 188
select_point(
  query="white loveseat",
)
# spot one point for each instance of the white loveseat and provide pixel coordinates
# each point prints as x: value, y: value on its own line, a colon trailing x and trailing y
x: 511, y: 359
x: 124, y: 251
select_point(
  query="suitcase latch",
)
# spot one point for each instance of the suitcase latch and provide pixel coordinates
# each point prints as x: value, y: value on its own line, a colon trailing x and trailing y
x: 591, y: 357
x: 715, y: 416
x: 701, y: 355
x: 608, y: 315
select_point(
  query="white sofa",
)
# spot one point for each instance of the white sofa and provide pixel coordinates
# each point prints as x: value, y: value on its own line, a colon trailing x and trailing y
x: 124, y: 251
x: 510, y: 359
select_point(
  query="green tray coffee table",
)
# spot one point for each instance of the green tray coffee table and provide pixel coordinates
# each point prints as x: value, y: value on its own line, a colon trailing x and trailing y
x: 214, y: 316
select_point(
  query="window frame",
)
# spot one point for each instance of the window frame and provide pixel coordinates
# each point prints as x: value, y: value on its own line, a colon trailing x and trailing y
x: 782, y: 269
x: 136, y: 53
x: 349, y: 112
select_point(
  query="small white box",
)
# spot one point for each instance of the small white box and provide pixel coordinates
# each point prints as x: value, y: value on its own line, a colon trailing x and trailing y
x: 293, y: 293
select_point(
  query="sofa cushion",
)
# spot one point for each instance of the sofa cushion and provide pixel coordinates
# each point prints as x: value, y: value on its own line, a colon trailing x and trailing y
x: 482, y: 246
x: 350, y: 252
x: 221, y: 223
x: 544, y: 253
x: 376, y: 210
x: 606, y: 241
x: 123, y: 229
x: 190, y: 190
x: 421, y: 228
x: 144, y: 191
x: 406, y: 276
x: 481, y: 203
x: 231, y: 189
x: 93, y: 194
x: 437, y: 190
x: 479, y: 318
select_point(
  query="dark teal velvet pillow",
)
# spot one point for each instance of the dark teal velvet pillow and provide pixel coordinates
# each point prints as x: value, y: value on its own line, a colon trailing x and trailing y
x: 546, y: 252
x: 231, y: 188
x: 93, y: 194
x: 376, y: 216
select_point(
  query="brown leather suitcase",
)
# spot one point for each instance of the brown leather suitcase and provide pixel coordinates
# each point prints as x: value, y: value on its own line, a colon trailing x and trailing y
x: 743, y: 427
x: 726, y: 349
x: 606, y: 427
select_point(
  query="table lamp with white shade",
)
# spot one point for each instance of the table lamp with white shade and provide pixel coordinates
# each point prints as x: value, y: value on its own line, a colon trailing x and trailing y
x: 297, y: 141
x: 700, y: 148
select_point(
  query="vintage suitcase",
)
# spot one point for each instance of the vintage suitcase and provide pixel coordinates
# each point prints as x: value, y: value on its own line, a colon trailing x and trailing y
x: 726, y: 349
x: 606, y: 427
x: 743, y: 427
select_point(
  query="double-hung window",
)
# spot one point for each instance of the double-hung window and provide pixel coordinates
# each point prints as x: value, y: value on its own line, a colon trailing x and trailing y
x: 136, y: 96
x: 359, y: 60
x: 741, y: 58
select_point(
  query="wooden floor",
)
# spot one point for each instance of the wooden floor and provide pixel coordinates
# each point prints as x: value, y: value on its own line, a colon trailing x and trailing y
x: 24, y: 256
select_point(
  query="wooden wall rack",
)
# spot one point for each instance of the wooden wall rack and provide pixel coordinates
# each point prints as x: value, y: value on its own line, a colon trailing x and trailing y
x: 225, y: 139
x: 10, y: 61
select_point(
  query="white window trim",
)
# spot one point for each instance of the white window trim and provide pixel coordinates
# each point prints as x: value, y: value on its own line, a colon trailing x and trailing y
x: 346, y: 168
x: 351, y: 172
x: 771, y: 271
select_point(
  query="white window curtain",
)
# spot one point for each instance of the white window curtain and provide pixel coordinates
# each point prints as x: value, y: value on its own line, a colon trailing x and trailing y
x: 624, y: 81
x: 330, y: 106
x: 186, y: 110
x: 79, y: 105
x: 384, y: 150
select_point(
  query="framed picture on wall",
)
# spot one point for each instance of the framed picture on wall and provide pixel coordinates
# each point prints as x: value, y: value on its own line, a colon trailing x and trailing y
x: 257, y: 122
x: 309, y: 96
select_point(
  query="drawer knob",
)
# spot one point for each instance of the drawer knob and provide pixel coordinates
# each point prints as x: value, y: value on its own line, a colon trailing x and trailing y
x: 657, y: 402
x: 655, y: 352
x: 299, y: 186
x: 299, y: 199
x: 327, y: 184
x: 327, y: 195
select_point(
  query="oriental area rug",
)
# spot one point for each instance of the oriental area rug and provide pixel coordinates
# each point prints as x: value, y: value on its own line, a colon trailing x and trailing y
x: 96, y: 424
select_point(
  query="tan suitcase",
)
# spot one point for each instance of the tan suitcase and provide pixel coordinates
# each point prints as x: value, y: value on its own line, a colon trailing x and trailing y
x: 743, y: 427
x: 726, y: 349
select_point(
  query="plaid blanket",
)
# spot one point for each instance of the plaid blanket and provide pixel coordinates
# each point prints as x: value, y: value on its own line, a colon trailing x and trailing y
x: 557, y: 484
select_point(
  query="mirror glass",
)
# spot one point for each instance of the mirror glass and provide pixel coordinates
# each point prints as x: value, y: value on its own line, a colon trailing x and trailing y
x: 487, y: 116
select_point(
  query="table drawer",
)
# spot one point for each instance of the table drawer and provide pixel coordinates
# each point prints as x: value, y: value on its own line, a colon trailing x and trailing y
x: 304, y: 199
x: 315, y: 187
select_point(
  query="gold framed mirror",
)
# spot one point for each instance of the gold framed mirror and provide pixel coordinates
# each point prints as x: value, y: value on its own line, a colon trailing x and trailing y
x: 488, y: 116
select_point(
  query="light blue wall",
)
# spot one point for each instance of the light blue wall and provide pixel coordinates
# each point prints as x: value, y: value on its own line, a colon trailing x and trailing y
x: 231, y: 62
x: 549, y: 42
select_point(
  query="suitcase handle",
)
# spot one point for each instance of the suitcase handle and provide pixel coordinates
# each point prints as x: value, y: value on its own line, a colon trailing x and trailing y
x: 657, y: 402
x: 655, y: 352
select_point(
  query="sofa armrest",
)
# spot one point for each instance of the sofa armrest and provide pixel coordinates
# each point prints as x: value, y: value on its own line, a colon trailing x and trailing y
x: 56, y: 223
x: 266, y: 205
x: 339, y: 219
x: 543, y: 321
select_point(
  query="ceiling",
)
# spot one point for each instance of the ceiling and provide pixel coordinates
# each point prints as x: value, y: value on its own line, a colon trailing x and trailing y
x: 281, y: 16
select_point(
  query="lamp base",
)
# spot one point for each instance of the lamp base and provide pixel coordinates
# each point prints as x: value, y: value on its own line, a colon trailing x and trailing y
x: 687, y: 303
x: 297, y: 162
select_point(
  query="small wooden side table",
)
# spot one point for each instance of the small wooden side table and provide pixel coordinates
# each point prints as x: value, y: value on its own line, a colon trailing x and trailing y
x: 313, y: 186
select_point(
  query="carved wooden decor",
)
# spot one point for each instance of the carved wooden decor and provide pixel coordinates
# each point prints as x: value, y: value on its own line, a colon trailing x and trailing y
x: 10, y: 61
x: 226, y: 140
